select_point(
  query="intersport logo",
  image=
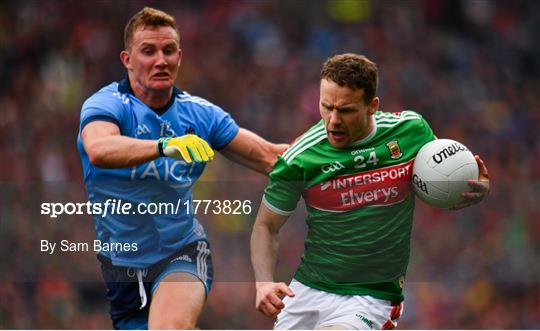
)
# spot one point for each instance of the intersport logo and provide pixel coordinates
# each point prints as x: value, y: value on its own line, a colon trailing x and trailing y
x: 384, y: 186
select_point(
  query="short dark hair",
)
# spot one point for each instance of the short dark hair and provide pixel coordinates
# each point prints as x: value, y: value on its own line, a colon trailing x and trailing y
x: 354, y: 71
x: 147, y: 17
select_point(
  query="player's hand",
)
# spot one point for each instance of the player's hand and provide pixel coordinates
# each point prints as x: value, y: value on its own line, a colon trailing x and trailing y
x: 280, y: 148
x: 187, y: 147
x: 269, y: 295
x: 480, y: 187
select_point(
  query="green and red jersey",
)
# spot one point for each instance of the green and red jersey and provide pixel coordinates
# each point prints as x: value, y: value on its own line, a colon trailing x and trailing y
x: 359, y: 201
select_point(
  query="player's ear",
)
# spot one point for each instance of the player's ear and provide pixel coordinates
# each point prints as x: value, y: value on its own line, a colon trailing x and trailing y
x: 373, y: 106
x: 125, y: 58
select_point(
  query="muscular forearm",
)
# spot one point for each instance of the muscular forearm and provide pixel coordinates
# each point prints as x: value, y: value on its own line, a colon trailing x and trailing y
x: 253, y: 151
x: 254, y: 160
x: 120, y: 151
x: 261, y: 155
x: 264, y: 250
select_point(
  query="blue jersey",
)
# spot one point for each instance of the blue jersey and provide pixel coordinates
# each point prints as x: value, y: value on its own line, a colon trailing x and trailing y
x: 163, y: 180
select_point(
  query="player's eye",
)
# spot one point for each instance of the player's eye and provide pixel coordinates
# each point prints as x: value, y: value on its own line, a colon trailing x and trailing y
x: 147, y: 51
x: 326, y: 107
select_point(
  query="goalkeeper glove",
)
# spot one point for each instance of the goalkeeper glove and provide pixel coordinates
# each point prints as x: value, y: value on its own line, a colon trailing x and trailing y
x: 186, y: 147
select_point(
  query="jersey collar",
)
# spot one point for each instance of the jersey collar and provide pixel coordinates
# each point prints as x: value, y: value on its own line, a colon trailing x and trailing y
x: 125, y: 87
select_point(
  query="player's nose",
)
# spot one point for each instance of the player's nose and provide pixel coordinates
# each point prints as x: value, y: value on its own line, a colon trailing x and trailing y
x: 335, y: 119
x: 160, y: 61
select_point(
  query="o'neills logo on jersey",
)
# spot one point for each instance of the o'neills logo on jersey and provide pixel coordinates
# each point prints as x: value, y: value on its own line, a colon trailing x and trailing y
x: 378, y: 187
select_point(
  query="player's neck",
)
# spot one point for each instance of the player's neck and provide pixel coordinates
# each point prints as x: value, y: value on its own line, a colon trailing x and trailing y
x: 153, y: 98
x: 368, y: 132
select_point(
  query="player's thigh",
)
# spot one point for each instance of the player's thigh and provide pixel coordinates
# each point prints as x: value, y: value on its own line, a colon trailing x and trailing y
x: 356, y: 312
x: 177, y: 302
x: 301, y: 312
x: 180, y: 289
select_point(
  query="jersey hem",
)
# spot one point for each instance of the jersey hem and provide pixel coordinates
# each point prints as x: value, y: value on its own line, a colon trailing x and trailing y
x: 358, y: 290
x: 237, y: 129
x: 103, y: 118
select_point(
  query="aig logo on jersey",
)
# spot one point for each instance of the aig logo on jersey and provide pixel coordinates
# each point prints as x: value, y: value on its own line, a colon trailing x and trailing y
x: 395, y: 150
x: 331, y: 167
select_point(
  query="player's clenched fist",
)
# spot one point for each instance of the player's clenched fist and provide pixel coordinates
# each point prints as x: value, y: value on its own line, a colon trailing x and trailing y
x: 187, y: 147
x: 269, y: 295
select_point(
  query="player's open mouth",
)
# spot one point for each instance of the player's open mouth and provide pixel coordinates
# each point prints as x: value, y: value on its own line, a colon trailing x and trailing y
x: 337, y: 135
x: 161, y: 75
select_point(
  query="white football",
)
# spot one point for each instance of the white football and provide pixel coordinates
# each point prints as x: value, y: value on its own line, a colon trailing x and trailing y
x: 440, y: 172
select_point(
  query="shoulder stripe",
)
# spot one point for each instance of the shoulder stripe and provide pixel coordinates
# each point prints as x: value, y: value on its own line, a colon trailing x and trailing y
x: 404, y: 118
x: 391, y: 124
x: 303, y: 139
x: 314, y: 128
x: 313, y: 142
x: 300, y: 148
x: 196, y: 100
x: 409, y: 112
x: 398, y: 118
x: 386, y: 115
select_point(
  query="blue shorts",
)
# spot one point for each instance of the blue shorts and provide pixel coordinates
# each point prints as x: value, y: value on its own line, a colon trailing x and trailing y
x: 129, y: 288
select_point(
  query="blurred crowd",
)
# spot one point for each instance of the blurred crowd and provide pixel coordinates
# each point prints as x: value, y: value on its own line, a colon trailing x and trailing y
x: 471, y: 68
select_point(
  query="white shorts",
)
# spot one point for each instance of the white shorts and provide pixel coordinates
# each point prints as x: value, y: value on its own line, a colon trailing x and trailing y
x: 311, y: 308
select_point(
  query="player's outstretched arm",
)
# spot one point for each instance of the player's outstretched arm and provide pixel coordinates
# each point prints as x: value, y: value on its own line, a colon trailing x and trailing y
x: 264, y: 250
x: 107, y: 148
x: 480, y: 187
x: 253, y: 151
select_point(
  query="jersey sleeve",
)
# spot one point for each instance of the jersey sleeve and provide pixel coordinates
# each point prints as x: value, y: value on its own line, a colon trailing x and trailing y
x: 223, y: 128
x: 102, y: 107
x: 284, y: 188
x: 421, y: 131
x: 427, y: 133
